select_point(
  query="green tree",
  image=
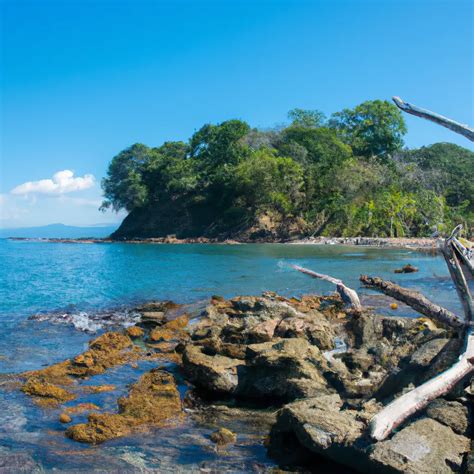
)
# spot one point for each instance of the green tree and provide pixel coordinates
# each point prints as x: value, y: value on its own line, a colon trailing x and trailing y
x: 123, y: 186
x: 373, y: 128
x: 307, y: 118
x: 268, y: 182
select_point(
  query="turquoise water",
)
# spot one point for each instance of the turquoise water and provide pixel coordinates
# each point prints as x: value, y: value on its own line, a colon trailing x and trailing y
x: 87, y: 280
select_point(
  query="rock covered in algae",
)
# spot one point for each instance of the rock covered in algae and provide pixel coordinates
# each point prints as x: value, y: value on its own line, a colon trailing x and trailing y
x: 65, y: 418
x: 135, y: 332
x: 223, y: 436
x: 173, y: 330
x: 48, y: 385
x: 48, y: 393
x: 154, y: 400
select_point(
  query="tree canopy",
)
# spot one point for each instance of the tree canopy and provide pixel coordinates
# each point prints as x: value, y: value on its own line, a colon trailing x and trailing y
x: 345, y: 176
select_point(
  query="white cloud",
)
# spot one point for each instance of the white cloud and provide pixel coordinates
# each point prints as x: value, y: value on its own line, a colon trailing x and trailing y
x: 62, y: 182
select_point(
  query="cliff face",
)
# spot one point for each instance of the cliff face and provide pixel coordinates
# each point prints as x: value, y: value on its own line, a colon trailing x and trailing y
x: 200, y: 221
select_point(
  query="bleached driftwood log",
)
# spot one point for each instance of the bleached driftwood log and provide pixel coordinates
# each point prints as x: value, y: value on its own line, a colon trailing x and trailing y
x: 415, y: 300
x: 401, y: 408
x: 466, y: 256
x: 348, y: 295
x: 457, y: 127
x: 458, y: 277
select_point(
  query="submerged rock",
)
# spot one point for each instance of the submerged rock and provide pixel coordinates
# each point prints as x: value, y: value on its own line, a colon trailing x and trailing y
x: 408, y: 268
x: 223, y: 436
x: 153, y: 400
x: 45, y: 392
x: 65, y: 418
x: 52, y: 385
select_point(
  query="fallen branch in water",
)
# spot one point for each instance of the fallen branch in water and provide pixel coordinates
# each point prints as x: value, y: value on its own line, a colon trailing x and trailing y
x: 415, y: 300
x: 457, y: 127
x: 348, y: 295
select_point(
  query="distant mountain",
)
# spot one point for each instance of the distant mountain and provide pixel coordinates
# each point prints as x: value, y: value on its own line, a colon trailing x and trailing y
x: 59, y: 231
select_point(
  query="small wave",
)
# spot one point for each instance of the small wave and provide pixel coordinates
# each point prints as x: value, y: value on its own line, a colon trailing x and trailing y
x: 90, y: 322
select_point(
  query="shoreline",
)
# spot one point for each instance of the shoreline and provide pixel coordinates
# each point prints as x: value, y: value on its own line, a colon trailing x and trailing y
x: 412, y: 243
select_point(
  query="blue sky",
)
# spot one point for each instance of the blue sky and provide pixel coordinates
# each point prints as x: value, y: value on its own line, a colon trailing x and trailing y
x: 81, y: 80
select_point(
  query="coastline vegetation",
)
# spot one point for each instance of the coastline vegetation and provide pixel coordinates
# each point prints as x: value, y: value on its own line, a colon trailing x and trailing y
x: 346, y: 175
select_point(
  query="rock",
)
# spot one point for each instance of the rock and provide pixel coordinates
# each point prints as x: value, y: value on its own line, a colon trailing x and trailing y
x: 173, y: 330
x: 264, y: 331
x: 135, y: 332
x: 100, y: 428
x: 81, y: 408
x: 154, y: 399
x: 162, y: 306
x: 213, y: 373
x: 407, y: 269
x: 425, y: 446
x: 450, y: 413
x: 161, y: 334
x: 153, y: 317
x: 323, y: 428
x: 286, y: 369
x: 424, y: 356
x: 98, y: 388
x: 223, y: 436
x: 315, y: 327
x: 47, y: 392
x: 65, y: 418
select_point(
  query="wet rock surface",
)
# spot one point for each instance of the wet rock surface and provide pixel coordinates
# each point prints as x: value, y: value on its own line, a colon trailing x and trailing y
x: 302, y: 377
x: 153, y: 400
x: 279, y: 351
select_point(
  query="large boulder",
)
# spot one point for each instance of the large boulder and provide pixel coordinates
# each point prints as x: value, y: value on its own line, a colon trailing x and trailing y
x: 213, y: 373
x: 324, y: 428
x: 424, y: 446
x: 285, y: 370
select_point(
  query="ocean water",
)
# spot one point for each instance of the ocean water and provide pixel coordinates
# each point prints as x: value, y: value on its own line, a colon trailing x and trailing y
x: 54, y: 297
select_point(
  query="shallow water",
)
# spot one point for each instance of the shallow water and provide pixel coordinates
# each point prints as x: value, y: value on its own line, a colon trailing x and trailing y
x: 71, y: 287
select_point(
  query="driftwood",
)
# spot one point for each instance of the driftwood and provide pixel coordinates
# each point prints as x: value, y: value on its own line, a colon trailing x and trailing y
x: 401, y: 408
x: 348, y: 295
x: 458, y: 276
x: 415, y: 300
x: 457, y: 127
x: 466, y: 256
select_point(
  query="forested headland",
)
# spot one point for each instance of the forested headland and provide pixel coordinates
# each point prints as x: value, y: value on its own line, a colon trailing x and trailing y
x: 346, y: 175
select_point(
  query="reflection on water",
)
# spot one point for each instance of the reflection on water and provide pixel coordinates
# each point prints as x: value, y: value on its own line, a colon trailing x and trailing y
x: 84, y: 282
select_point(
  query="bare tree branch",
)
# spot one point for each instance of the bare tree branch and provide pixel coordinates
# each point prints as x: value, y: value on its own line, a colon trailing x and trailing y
x: 348, y: 295
x: 415, y: 300
x: 457, y: 127
x: 401, y: 408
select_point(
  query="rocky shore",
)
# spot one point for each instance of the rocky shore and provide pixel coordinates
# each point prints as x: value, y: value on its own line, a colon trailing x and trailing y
x: 416, y: 243
x: 308, y: 372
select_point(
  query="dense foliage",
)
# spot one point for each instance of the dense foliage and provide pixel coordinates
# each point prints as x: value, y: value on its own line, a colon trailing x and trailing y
x: 348, y: 175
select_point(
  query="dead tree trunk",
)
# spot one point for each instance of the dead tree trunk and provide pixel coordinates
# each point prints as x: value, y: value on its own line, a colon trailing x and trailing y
x: 401, y: 408
x: 394, y: 414
x: 348, y: 295
x: 415, y: 300
x: 457, y: 127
